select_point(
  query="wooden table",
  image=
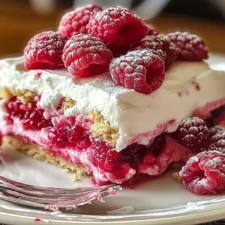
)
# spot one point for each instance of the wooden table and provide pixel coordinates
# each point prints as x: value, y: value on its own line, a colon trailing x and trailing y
x: 18, y: 22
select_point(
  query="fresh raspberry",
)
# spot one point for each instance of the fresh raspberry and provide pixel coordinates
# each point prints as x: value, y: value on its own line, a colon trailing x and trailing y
x: 172, y: 53
x: 140, y: 70
x: 191, y: 47
x: 44, y: 51
x: 154, y: 43
x: 205, y: 173
x: 117, y: 27
x: 85, y: 55
x: 161, y: 46
x: 30, y: 116
x: 109, y: 161
x: 193, y: 134
x: 77, y: 20
x: 214, y: 130
x: 105, y: 158
x: 66, y: 133
x: 217, y: 141
x: 133, y: 155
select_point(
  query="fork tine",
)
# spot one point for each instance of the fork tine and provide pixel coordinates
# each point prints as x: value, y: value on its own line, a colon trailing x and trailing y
x: 52, y: 198
x: 43, y: 190
x: 73, y: 193
x: 16, y: 200
x: 41, y: 199
x: 53, y: 203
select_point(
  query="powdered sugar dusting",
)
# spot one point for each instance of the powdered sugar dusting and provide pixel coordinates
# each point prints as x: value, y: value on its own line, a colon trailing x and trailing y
x: 84, y: 56
x: 191, y: 47
x: 193, y: 134
x: 140, y: 70
x: 205, y: 173
x: 217, y: 141
x: 44, y: 51
x: 108, y: 26
x: 77, y: 20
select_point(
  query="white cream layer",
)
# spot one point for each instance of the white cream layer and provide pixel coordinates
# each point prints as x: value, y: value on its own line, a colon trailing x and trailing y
x: 187, y: 86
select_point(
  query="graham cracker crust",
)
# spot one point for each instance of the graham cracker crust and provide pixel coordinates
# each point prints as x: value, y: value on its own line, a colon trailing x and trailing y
x: 37, y: 152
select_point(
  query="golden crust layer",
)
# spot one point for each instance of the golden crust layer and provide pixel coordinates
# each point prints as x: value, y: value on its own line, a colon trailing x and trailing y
x: 102, y: 129
x: 13, y: 143
x: 5, y: 93
x: 66, y: 104
x: 25, y: 96
x: 177, y: 177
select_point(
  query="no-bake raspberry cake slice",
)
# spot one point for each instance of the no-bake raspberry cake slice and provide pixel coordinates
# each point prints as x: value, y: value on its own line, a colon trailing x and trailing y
x: 69, y: 102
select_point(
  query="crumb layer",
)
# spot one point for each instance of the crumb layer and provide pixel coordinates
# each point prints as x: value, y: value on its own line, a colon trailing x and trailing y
x: 37, y: 152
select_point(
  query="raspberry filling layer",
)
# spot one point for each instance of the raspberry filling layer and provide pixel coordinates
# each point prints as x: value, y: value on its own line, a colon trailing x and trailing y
x: 71, y: 139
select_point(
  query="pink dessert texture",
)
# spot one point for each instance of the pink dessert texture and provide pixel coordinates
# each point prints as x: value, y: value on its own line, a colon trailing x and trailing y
x: 149, y: 92
x: 68, y: 137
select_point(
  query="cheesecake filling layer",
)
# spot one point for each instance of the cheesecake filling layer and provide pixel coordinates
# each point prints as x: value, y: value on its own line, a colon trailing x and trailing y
x: 71, y: 139
x: 188, y: 87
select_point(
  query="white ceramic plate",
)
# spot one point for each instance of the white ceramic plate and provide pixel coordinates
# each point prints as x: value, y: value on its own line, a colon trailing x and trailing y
x: 159, y: 201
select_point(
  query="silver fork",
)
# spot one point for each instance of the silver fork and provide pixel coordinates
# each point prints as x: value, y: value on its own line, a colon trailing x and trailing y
x: 52, y: 198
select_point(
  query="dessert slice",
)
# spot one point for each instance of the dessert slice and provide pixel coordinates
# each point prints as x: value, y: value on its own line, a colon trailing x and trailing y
x: 112, y: 118
x: 112, y: 131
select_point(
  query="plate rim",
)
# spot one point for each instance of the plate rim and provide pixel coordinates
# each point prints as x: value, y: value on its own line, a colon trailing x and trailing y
x: 201, y: 212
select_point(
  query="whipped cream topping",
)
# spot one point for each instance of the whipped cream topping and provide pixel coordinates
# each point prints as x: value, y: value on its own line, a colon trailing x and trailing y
x: 187, y: 87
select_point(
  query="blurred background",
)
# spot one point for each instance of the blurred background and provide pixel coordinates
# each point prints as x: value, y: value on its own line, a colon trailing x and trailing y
x: 21, y: 19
